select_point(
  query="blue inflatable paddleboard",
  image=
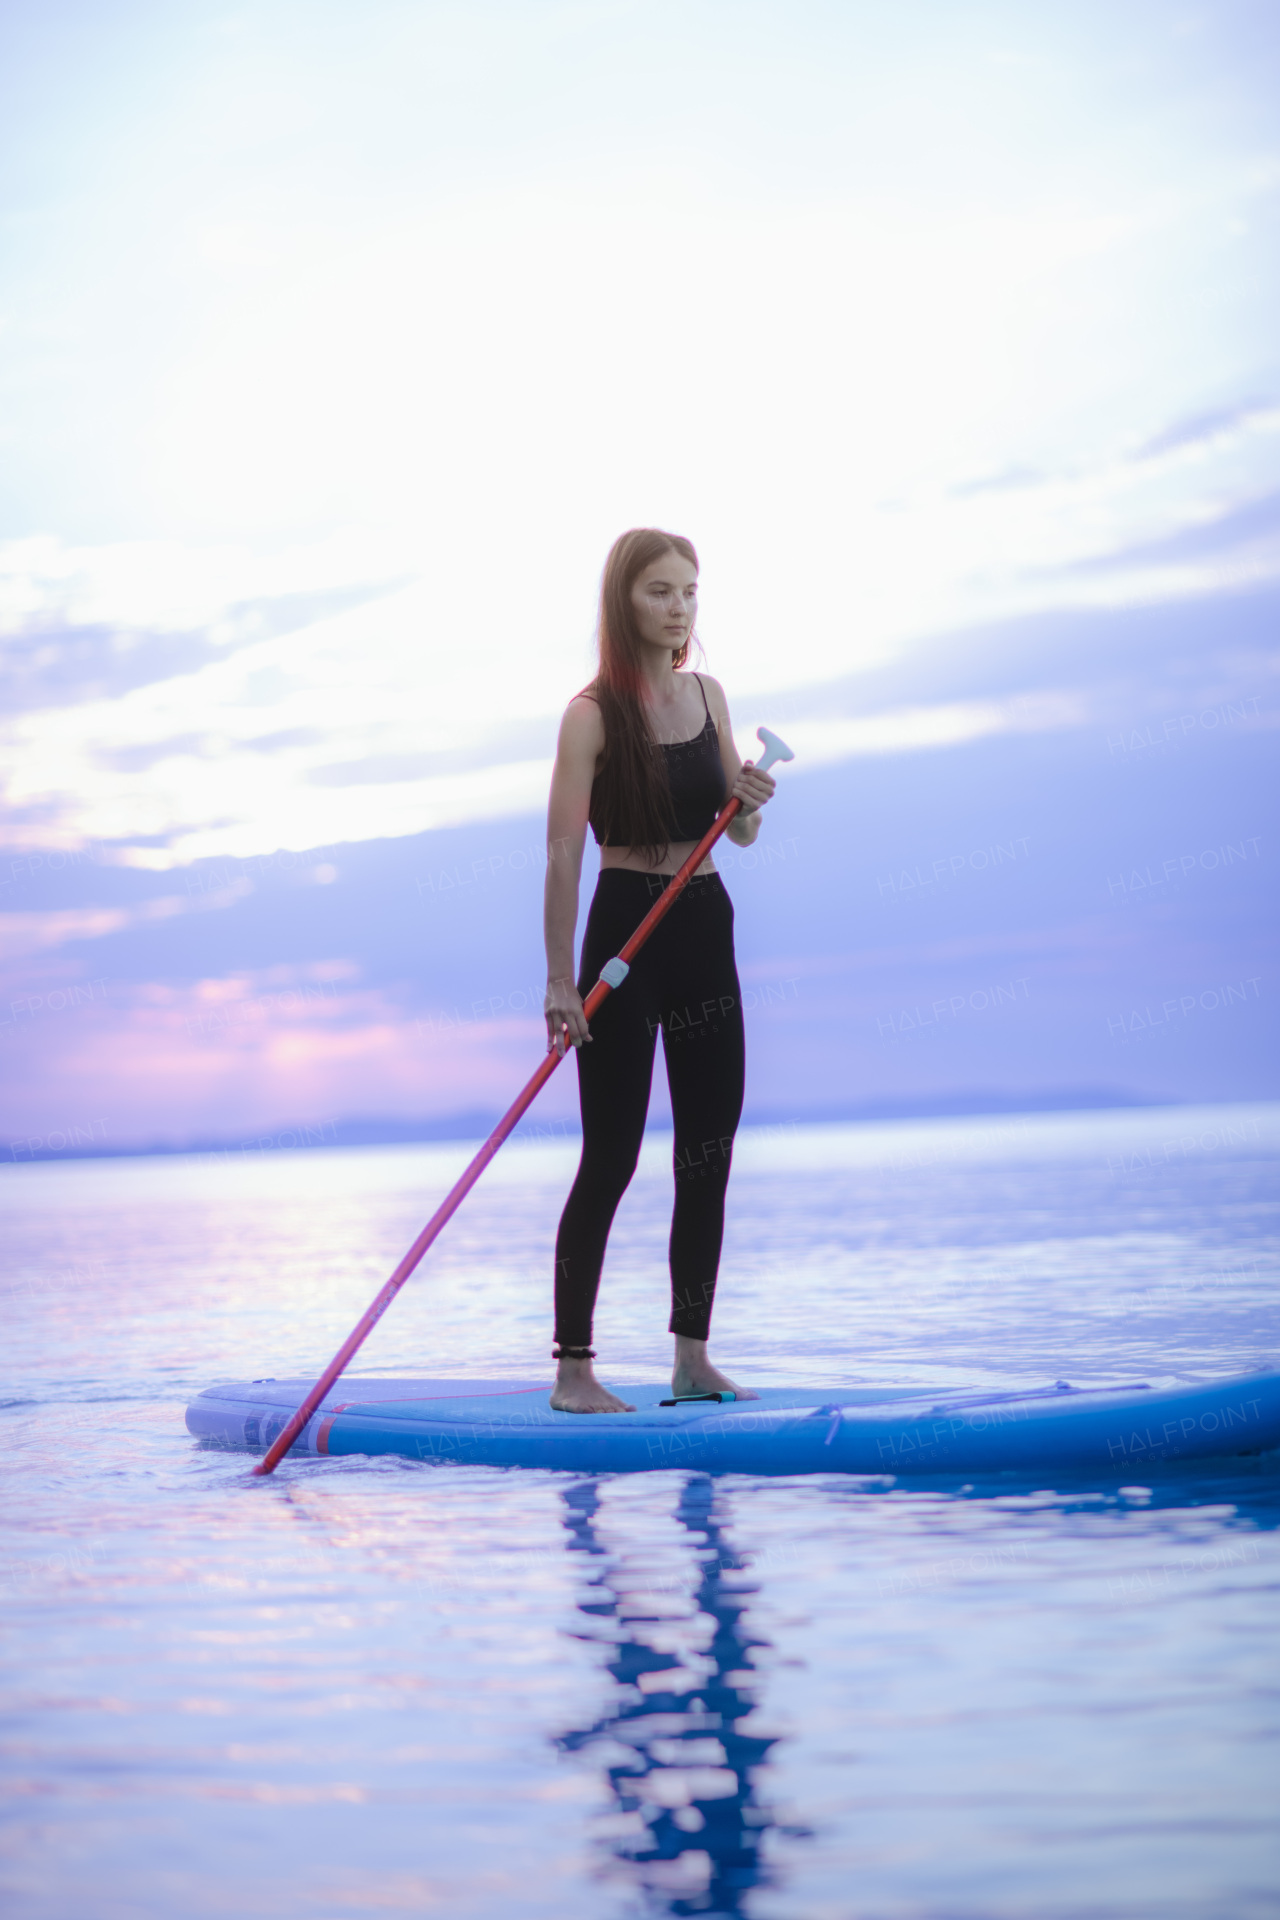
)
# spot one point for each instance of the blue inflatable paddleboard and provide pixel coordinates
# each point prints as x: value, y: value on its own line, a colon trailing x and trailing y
x: 901, y: 1431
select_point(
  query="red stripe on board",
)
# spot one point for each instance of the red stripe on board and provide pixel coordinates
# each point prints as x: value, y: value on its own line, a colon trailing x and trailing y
x: 322, y: 1431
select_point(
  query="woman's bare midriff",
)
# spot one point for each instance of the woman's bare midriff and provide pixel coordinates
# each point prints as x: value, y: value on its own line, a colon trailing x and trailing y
x: 634, y: 862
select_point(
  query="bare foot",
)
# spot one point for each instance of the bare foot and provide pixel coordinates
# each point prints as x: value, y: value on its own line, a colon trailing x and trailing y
x: 578, y: 1391
x: 693, y: 1372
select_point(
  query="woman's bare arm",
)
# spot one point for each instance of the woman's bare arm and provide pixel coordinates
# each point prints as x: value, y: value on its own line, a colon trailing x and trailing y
x: 752, y: 788
x: 580, y: 745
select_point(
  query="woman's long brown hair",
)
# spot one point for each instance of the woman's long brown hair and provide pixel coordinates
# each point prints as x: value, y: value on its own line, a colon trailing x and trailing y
x: 631, y: 805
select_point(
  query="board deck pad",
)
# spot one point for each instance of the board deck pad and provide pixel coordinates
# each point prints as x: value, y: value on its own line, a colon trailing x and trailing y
x: 891, y: 1431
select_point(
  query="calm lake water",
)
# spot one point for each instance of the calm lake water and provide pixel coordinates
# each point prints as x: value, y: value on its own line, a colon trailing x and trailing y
x: 367, y: 1689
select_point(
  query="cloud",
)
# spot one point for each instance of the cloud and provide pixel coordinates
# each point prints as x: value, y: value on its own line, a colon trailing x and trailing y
x: 1009, y: 480
x: 1248, y: 525
x: 27, y: 933
x: 249, y: 1050
x: 819, y: 742
x: 132, y: 771
x: 371, y: 724
x: 1203, y: 429
x: 95, y: 623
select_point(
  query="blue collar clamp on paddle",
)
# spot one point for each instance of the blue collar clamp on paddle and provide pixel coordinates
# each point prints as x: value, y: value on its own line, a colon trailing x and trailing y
x: 614, y: 971
x: 687, y: 1399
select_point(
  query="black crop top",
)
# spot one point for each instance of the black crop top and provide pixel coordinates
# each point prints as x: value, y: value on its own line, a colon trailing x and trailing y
x: 698, y: 786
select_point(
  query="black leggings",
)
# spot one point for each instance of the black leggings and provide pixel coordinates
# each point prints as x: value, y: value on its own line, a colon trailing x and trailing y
x: 684, y: 981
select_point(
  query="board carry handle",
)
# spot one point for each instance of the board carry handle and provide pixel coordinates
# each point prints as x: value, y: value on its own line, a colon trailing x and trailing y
x: 613, y: 974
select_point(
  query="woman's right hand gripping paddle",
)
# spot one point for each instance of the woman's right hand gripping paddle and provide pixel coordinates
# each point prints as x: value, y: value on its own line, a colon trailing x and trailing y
x: 566, y: 1021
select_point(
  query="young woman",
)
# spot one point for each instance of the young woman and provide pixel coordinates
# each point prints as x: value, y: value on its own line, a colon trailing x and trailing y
x: 646, y: 757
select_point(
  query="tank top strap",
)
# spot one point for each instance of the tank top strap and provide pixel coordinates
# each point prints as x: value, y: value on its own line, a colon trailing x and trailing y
x: 702, y: 690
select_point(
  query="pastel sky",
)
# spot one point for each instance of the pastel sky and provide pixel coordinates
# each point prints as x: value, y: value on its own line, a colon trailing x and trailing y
x: 336, y: 345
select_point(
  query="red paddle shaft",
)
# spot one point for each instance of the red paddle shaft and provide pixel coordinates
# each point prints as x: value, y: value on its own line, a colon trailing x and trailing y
x: 774, y: 750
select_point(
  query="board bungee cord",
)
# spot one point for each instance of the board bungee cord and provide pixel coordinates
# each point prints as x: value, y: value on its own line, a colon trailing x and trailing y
x: 612, y: 976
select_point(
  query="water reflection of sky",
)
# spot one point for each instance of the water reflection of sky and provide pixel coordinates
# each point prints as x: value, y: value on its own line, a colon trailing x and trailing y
x: 350, y: 1690
x: 687, y: 1822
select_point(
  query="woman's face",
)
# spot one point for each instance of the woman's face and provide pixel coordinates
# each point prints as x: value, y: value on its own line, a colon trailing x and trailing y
x: 665, y: 599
